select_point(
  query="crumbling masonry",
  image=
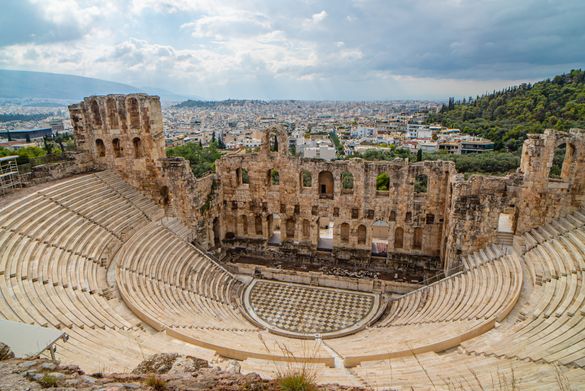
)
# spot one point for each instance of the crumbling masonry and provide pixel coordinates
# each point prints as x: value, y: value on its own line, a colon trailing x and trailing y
x: 271, y: 204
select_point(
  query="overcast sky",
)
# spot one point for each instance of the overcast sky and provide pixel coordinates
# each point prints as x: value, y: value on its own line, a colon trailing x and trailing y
x: 271, y: 49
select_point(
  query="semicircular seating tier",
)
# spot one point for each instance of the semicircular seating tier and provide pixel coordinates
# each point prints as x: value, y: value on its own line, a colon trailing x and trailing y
x: 509, y: 318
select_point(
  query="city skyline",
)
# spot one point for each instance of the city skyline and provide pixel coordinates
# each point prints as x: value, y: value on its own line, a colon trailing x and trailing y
x: 360, y: 50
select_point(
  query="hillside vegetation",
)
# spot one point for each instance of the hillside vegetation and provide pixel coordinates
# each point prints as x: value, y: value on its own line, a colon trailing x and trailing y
x: 506, y: 116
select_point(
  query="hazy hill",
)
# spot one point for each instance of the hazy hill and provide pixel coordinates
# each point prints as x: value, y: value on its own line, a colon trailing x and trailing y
x: 507, y: 116
x: 25, y: 84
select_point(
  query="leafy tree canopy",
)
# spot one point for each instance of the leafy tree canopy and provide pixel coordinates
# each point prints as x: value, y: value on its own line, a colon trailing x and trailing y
x: 202, y: 159
x: 507, y: 116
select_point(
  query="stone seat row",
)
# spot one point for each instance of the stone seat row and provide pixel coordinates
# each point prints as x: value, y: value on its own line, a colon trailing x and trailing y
x: 482, y: 256
x: 139, y: 200
x: 172, y: 286
x: 553, y: 229
x: 55, y: 246
x: 158, y: 254
x: 557, y: 257
x: 459, y: 371
x: 484, y: 292
x: 25, y: 258
x: 551, y: 324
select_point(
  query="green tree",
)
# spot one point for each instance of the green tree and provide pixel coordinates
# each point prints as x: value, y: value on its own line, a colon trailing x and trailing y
x: 202, y: 159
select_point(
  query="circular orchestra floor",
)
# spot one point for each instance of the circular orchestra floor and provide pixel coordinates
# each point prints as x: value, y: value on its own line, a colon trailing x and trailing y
x: 304, y: 311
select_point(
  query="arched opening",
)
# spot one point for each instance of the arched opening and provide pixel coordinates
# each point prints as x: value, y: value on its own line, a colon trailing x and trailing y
x: 382, y: 182
x: 290, y: 228
x: 393, y: 215
x: 274, y: 229
x: 258, y: 225
x: 380, y: 234
x: 273, y: 143
x: 408, y: 217
x: 134, y: 113
x: 272, y: 177
x: 306, y: 229
x: 117, y: 147
x: 95, y: 111
x: 344, y: 233
x: 347, y: 182
x: 421, y: 183
x: 164, y: 196
x: 242, y: 177
x: 100, y: 147
x: 325, y: 234
x: 137, y: 143
x: 244, y: 224
x: 306, y: 179
x: 398, y: 238
x: 326, y: 185
x: 361, y: 234
x: 417, y: 239
x: 112, y: 113
x: 430, y: 218
x: 216, y: 233
x: 506, y: 223
x: 562, y: 159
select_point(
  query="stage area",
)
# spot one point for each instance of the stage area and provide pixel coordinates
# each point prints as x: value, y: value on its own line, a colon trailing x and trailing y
x: 304, y: 311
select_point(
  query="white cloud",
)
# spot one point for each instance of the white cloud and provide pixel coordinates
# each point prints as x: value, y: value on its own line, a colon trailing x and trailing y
x: 315, y: 20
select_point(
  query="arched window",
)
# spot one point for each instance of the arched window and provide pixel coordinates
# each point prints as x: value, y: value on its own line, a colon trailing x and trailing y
x: 398, y: 238
x: 393, y: 215
x: 134, y: 112
x: 361, y: 234
x: 244, y: 220
x: 164, y: 195
x: 347, y: 181
x: 258, y: 225
x: 561, y: 164
x: 112, y: 113
x: 117, y: 147
x: 380, y: 235
x: 326, y: 184
x: 306, y: 179
x: 306, y: 229
x: 100, y: 147
x: 290, y: 228
x: 273, y: 143
x: 408, y: 217
x: 242, y: 177
x: 382, y: 182
x: 421, y: 183
x: 344, y: 232
x: 95, y: 111
x: 417, y: 239
x: 273, y: 177
x: 137, y: 143
x: 430, y: 219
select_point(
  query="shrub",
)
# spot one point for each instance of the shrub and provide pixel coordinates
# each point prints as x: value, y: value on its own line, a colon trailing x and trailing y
x: 48, y: 381
x: 156, y: 383
x: 297, y: 381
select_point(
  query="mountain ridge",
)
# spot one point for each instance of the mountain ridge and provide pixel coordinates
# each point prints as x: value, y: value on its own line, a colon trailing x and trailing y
x: 17, y: 84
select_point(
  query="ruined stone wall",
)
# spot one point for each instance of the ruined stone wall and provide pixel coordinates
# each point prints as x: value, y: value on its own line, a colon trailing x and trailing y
x: 544, y: 198
x: 529, y: 198
x: 193, y: 200
x: 123, y: 133
x: 360, y: 215
x: 241, y: 207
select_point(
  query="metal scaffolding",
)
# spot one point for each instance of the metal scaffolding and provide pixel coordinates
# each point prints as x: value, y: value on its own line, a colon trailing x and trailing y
x: 9, y: 176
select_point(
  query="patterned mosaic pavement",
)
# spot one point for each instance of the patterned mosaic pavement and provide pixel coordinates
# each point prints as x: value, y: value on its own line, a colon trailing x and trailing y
x: 300, y: 309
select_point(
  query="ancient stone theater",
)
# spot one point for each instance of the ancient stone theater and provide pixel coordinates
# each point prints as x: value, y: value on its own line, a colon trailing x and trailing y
x: 432, y: 281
